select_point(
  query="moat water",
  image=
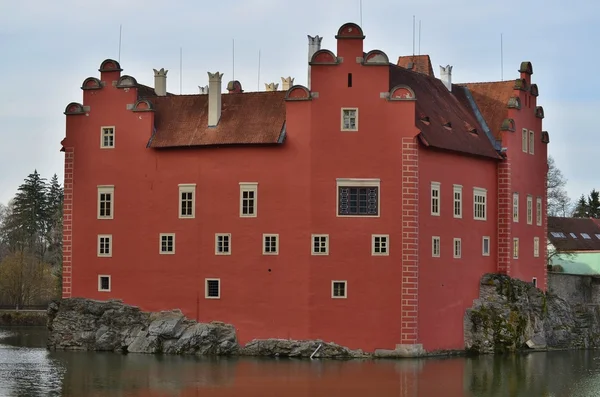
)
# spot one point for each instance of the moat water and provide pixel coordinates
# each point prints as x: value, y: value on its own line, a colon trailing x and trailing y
x: 28, y: 369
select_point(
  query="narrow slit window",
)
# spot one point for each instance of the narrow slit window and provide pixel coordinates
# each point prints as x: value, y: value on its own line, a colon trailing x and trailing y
x: 349, y: 80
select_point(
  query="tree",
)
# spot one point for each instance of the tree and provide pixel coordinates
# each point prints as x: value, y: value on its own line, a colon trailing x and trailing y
x: 581, y: 208
x: 24, y: 280
x: 559, y: 203
x: 594, y: 204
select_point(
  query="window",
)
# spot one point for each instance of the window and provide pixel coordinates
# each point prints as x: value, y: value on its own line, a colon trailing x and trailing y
x: 167, y: 243
x: 524, y: 138
x: 435, y: 198
x: 104, y: 283
x: 485, y: 246
x: 515, y: 207
x: 248, y: 199
x: 349, y: 80
x: 270, y: 244
x: 339, y: 290
x: 107, y: 137
x: 457, y: 201
x: 534, y: 282
x: 479, y: 203
x: 320, y: 244
x: 212, y: 288
x: 536, y: 247
x: 358, y: 197
x: 573, y: 235
x: 562, y: 235
x: 186, y: 200
x: 538, y: 211
x: 104, y: 245
x: 598, y: 236
x: 349, y: 119
x: 223, y: 244
x: 531, y: 140
x: 435, y: 246
x: 586, y: 236
x: 380, y: 244
x: 529, y: 210
x: 516, y: 248
x: 457, y: 248
x: 106, y: 204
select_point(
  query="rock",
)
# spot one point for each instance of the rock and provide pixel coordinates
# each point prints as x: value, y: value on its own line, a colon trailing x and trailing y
x: 299, y: 348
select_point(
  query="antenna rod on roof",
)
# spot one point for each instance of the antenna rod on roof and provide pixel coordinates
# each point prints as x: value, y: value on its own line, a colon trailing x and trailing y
x: 419, y: 37
x: 501, y: 59
x: 413, y: 35
x: 180, y: 69
x: 258, y: 85
x: 120, y: 31
x: 361, y: 13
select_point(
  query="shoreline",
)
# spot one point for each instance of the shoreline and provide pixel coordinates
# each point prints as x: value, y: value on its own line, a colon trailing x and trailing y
x: 23, y: 318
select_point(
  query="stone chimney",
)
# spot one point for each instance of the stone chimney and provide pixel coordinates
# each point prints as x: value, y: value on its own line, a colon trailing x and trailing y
x: 446, y: 76
x: 314, y: 45
x: 160, y: 82
x: 286, y: 83
x: 214, y: 98
x: 234, y: 87
x: 271, y: 86
x: 203, y: 90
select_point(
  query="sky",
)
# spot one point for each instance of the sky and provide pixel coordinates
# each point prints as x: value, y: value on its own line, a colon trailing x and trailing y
x: 49, y: 47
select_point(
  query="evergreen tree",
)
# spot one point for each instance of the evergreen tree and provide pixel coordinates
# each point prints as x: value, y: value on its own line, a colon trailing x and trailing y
x: 581, y: 209
x: 594, y: 204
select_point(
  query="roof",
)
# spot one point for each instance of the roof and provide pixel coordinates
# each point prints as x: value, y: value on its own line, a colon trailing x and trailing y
x: 561, y: 231
x: 492, y: 100
x: 147, y: 92
x: 441, y: 106
x: 246, y: 118
x: 420, y: 64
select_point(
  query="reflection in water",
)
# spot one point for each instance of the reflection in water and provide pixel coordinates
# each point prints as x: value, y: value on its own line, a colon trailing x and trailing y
x: 27, y: 369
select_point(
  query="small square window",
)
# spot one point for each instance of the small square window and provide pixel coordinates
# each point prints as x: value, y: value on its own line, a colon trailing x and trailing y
x: 223, y: 244
x: 167, y: 243
x: 457, y: 248
x: 104, y: 283
x: 248, y: 199
x: 106, y: 202
x: 380, y: 244
x: 107, y: 137
x: 187, y: 193
x: 212, y: 288
x: 104, y: 245
x: 320, y: 244
x: 485, y: 249
x: 349, y: 119
x: 435, y: 247
x: 339, y: 290
x: 270, y: 244
x: 516, y: 248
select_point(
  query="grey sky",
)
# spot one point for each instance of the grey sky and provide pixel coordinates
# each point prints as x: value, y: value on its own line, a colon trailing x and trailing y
x: 49, y: 48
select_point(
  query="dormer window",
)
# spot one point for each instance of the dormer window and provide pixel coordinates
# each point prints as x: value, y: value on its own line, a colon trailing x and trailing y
x: 573, y: 235
x: 562, y: 235
x: 349, y: 119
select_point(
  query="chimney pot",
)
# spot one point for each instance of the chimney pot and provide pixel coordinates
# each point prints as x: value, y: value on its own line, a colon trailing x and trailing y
x: 271, y: 86
x: 234, y: 87
x: 203, y: 90
x: 287, y: 83
x: 314, y: 45
x: 160, y: 82
x: 214, y: 98
x: 446, y: 76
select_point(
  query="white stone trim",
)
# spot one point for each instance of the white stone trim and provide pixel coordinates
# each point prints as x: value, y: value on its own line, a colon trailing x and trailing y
x: 249, y: 187
x: 103, y: 132
x: 342, y: 120
x: 106, y: 189
x: 217, y: 235
x: 187, y: 188
x: 529, y: 209
x: 384, y: 239
x: 264, y: 239
x: 538, y: 211
x: 160, y: 239
x: 515, y: 207
x: 515, y: 248
x: 435, y: 239
x: 457, y: 248
x: 100, y: 276
x: 457, y: 189
x: 536, y: 247
x: 110, y: 245
x: 312, y: 244
x: 436, y: 198
x: 206, y: 280
x: 481, y: 192
x: 345, y: 296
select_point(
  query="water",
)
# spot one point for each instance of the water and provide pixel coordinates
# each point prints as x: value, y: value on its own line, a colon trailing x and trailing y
x: 28, y: 369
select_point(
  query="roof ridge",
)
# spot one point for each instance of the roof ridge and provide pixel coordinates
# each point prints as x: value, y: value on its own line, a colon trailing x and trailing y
x: 487, y: 82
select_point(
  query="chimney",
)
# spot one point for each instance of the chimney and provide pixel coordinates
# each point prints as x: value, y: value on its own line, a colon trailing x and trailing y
x: 286, y: 83
x: 160, y: 82
x: 271, y: 86
x: 234, y: 87
x: 446, y: 76
x: 314, y: 45
x: 203, y: 90
x: 214, y: 98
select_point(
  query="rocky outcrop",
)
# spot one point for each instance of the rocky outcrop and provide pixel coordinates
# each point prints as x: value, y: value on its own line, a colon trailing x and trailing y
x: 511, y: 314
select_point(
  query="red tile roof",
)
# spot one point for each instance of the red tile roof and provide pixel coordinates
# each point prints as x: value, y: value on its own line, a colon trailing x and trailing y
x: 246, y: 118
x: 147, y: 92
x: 437, y: 103
x: 492, y: 101
x: 577, y: 226
x: 420, y: 64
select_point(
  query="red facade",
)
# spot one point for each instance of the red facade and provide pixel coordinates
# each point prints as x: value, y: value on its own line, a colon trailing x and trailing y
x: 355, y: 211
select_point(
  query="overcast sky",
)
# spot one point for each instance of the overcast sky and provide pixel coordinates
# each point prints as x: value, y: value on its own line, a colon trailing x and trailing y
x: 49, y: 47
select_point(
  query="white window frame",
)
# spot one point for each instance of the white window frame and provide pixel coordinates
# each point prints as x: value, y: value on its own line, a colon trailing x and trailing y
x: 357, y: 182
x: 436, y: 242
x: 531, y: 141
x: 264, y: 239
x: 515, y: 248
x: 313, y: 239
x: 457, y: 203
x: 248, y: 187
x: 333, y: 282
x: 529, y: 209
x: 206, y: 280
x: 515, y: 207
x: 104, y: 189
x: 187, y: 188
x: 536, y: 247
x: 384, y: 240
x: 223, y: 235
x: 103, y: 131
x: 524, y: 139
x: 457, y: 248
x: 436, y: 199
x: 534, y: 281
x: 355, y: 120
x: 160, y: 240
x: 479, y: 191
x: 483, y: 240
x: 110, y: 244
x: 538, y: 211
x: 100, y: 283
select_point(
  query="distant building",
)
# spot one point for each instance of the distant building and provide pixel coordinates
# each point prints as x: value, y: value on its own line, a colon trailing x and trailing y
x: 362, y: 209
x: 574, y: 244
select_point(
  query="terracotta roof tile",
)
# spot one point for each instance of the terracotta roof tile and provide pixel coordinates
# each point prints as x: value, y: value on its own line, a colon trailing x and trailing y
x: 420, y: 64
x: 577, y: 226
x: 441, y: 106
x: 147, y: 92
x: 492, y: 101
x: 246, y: 118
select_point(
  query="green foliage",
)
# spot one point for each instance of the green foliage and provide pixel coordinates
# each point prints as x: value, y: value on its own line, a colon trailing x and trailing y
x: 559, y: 203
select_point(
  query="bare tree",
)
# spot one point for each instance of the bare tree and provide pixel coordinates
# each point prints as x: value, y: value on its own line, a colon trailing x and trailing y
x: 559, y: 203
